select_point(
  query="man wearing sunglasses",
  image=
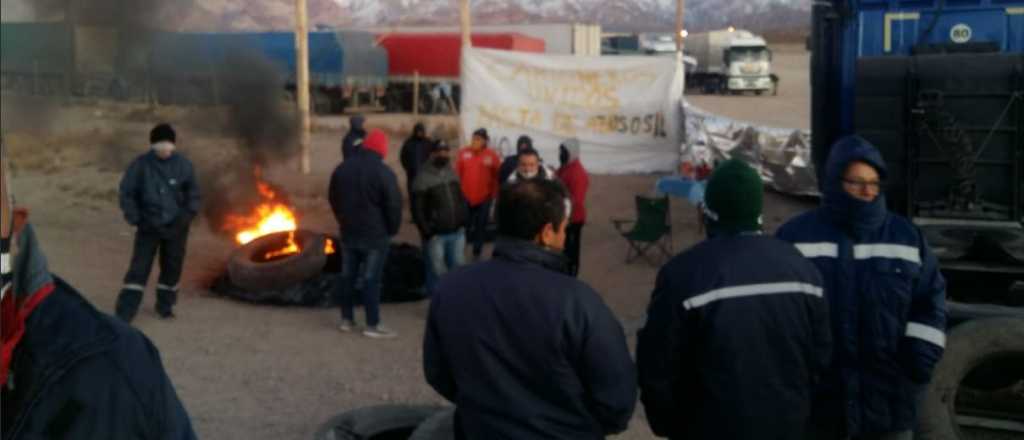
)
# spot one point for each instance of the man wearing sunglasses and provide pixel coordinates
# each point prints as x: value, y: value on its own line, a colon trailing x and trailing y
x: 69, y: 371
x: 886, y: 295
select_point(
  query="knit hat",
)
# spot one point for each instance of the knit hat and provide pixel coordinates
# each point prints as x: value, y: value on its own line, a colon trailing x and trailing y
x: 734, y: 199
x: 377, y: 142
x: 161, y: 133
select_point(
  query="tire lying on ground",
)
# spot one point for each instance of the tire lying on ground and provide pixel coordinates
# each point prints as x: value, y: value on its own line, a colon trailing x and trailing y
x: 383, y: 422
x: 248, y: 269
x: 968, y: 346
x: 440, y: 426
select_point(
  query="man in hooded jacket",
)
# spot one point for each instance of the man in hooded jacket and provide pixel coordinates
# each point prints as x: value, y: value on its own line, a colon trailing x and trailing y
x: 887, y: 300
x: 414, y: 154
x: 577, y: 181
x: 732, y: 346
x: 353, y: 140
x: 69, y: 371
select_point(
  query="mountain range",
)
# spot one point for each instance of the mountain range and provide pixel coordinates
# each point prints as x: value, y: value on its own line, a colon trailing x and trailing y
x: 613, y: 15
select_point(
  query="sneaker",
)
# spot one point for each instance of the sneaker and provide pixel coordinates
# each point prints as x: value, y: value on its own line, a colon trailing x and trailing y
x: 346, y: 326
x: 379, y: 332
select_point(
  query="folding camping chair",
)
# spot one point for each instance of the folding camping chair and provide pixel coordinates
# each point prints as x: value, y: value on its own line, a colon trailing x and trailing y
x: 652, y: 229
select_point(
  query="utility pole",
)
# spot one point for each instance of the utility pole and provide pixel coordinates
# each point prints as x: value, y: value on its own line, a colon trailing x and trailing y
x: 302, y: 80
x: 680, y: 14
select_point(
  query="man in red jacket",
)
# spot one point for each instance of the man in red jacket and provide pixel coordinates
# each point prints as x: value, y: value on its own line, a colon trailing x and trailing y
x: 477, y: 167
x: 576, y: 180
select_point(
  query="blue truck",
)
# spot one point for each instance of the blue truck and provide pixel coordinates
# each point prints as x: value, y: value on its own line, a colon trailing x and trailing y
x: 938, y: 86
x: 347, y: 68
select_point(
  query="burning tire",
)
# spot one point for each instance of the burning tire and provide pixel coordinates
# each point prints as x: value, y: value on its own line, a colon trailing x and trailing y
x: 264, y: 264
x: 970, y: 346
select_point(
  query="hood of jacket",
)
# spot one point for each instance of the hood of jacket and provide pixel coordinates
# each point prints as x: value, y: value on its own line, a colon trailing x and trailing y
x: 571, y: 147
x: 356, y: 123
x: 853, y: 215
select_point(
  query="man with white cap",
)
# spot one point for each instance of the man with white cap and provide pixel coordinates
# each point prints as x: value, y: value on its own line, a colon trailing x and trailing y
x: 160, y: 197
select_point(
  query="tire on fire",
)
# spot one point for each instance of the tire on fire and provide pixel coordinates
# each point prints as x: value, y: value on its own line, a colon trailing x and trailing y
x: 969, y: 345
x: 382, y: 422
x: 248, y: 269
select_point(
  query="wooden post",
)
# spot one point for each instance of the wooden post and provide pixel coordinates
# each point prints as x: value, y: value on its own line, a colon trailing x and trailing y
x: 416, y: 93
x: 302, y: 81
x: 465, y: 22
x: 680, y: 26
x: 467, y: 42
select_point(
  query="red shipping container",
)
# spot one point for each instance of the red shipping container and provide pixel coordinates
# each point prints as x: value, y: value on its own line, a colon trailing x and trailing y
x: 439, y: 55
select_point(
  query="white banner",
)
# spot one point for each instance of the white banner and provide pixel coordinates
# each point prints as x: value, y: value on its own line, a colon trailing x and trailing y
x: 625, y: 110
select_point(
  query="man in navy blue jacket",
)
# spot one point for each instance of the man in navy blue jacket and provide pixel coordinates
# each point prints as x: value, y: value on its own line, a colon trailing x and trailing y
x: 737, y: 329
x: 524, y: 350
x: 887, y: 300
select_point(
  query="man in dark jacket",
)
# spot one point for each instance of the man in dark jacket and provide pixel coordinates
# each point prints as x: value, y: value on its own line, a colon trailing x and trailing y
x: 509, y: 165
x: 737, y: 329
x: 530, y: 168
x: 366, y: 202
x: 353, y: 140
x: 69, y: 371
x: 576, y: 179
x: 159, y: 197
x: 522, y: 349
x: 887, y: 300
x: 415, y: 152
x: 440, y: 213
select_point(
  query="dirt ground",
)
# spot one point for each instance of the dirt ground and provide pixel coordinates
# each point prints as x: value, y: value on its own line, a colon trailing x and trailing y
x: 268, y: 373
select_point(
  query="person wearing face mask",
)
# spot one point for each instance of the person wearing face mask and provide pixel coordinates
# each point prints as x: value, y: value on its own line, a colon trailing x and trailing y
x: 737, y: 329
x: 440, y: 213
x: 530, y: 168
x: 159, y: 197
x: 887, y: 299
x: 415, y: 152
x: 509, y: 165
x: 577, y: 181
x: 521, y: 348
x: 69, y: 371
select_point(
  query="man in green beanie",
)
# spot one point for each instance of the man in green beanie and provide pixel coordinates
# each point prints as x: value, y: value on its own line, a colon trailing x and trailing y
x: 737, y: 329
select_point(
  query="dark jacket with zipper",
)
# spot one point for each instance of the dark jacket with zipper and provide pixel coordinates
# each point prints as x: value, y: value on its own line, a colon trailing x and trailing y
x: 439, y: 207
x: 365, y: 198
x: 887, y: 300
x: 77, y: 373
x: 156, y: 194
x: 526, y: 351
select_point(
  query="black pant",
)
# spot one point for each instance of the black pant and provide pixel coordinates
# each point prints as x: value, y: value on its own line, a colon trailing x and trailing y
x: 479, y: 217
x: 573, y: 236
x: 171, y: 244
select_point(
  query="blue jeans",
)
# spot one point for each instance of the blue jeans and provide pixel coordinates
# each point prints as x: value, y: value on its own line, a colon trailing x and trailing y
x: 362, y: 264
x: 445, y: 252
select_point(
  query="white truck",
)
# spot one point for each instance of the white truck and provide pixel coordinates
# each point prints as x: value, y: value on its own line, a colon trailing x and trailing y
x: 729, y: 61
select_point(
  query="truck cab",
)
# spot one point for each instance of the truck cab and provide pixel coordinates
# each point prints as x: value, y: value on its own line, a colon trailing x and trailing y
x: 748, y: 63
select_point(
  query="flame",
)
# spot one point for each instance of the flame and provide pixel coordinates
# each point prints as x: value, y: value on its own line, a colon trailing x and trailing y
x: 329, y: 247
x: 290, y: 248
x: 271, y: 216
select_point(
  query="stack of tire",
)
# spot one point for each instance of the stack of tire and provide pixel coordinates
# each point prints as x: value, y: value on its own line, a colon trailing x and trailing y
x: 390, y: 422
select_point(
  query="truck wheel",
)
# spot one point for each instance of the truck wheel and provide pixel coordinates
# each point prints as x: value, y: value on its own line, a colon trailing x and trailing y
x: 249, y: 269
x: 969, y: 346
x: 440, y: 426
x: 382, y: 422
